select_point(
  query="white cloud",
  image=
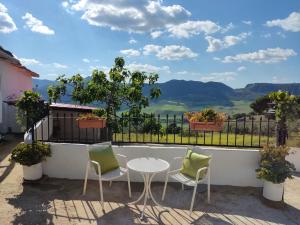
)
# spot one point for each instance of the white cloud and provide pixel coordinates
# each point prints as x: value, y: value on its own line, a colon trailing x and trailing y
x: 267, y: 35
x: 281, y: 34
x: 59, y: 66
x: 7, y: 25
x: 65, y: 4
x: 132, y: 16
x: 85, y: 60
x: 169, y: 52
x: 241, y: 68
x: 132, y: 41
x: 28, y: 62
x: 36, y: 25
x: 156, y: 34
x: 278, y: 80
x: 219, y: 77
x: 215, y: 44
x: 270, y: 55
x: 229, y: 27
x: 148, y: 68
x: 216, y: 58
x: 184, y: 72
x: 130, y: 52
x: 291, y: 23
x: 191, y: 28
x: 247, y: 22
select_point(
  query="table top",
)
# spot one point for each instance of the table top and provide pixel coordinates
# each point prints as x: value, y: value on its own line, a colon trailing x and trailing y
x: 148, y: 165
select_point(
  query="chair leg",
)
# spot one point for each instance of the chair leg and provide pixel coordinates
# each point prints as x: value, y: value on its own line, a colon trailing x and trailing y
x: 86, y: 177
x: 110, y: 183
x: 182, y: 187
x: 129, y: 187
x: 165, y: 187
x: 208, y: 186
x: 101, y: 190
x: 193, y: 199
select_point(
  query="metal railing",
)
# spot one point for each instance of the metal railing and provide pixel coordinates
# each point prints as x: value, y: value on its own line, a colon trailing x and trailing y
x: 253, y: 132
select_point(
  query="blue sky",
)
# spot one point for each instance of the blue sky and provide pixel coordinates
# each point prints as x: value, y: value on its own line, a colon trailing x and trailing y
x: 235, y: 42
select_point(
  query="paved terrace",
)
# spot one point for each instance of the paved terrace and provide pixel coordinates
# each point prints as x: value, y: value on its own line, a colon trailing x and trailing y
x: 59, y: 201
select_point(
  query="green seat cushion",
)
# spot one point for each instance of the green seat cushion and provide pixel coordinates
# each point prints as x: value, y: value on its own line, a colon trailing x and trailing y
x: 105, y: 157
x: 192, y: 162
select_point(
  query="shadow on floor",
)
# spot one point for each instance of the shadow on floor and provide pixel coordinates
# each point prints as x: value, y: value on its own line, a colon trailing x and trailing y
x: 5, y: 149
x: 58, y: 201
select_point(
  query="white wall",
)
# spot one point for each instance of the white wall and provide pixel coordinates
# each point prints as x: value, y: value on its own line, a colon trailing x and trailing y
x: 229, y: 167
x: 41, y: 129
x: 13, y: 82
x: 294, y: 158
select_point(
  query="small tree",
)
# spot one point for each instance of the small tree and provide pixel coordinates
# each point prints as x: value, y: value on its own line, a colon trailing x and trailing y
x: 120, y: 87
x: 30, y: 108
x: 261, y: 104
x: 286, y: 108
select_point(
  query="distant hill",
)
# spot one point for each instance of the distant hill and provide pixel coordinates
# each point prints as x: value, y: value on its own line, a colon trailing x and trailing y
x: 187, y: 95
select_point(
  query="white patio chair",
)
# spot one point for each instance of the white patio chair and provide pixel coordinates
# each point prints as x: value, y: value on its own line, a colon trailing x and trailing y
x: 109, y: 176
x: 186, y: 180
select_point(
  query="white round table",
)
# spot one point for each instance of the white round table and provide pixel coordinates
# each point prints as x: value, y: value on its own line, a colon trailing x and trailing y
x: 148, y: 167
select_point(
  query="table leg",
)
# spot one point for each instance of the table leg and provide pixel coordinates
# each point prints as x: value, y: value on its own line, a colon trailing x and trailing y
x: 153, y: 199
x: 147, y: 194
x: 147, y: 181
x: 143, y: 193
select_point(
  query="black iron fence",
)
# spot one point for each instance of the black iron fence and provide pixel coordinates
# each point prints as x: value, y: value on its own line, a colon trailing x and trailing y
x: 158, y: 129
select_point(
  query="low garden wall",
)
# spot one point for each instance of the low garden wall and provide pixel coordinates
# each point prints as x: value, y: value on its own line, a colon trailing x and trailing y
x: 234, y: 167
x: 294, y: 158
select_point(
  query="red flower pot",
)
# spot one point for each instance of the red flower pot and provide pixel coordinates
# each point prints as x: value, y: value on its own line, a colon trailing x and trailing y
x: 206, y: 126
x: 92, y: 123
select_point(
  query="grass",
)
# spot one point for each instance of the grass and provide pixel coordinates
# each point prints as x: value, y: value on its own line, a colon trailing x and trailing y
x: 200, y: 139
x: 238, y: 107
x: 179, y: 108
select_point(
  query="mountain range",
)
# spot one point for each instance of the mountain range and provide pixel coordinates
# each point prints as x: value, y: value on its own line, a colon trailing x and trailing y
x: 189, y: 95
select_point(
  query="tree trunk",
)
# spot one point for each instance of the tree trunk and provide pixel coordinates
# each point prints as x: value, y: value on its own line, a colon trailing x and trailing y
x: 281, y: 133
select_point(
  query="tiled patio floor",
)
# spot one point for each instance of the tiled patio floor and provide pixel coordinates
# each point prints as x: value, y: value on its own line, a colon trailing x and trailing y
x: 58, y: 201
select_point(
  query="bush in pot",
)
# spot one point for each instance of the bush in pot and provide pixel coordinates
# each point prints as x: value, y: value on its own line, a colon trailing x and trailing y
x: 274, y: 169
x: 207, y: 119
x: 30, y: 157
x: 96, y: 119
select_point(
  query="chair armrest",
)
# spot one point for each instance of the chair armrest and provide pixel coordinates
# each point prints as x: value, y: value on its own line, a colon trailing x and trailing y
x: 173, y: 171
x: 175, y: 160
x: 98, y: 166
x: 199, y: 171
x: 122, y: 158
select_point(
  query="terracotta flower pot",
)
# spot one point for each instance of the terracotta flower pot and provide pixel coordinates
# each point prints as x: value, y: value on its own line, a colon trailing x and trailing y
x: 206, y: 126
x: 92, y: 123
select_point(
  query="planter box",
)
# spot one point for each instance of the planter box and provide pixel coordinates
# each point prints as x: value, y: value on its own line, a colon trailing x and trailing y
x: 206, y: 126
x: 96, y: 123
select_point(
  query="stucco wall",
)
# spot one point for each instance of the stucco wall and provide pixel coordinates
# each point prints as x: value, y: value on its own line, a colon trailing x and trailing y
x: 229, y: 167
x: 13, y: 82
x: 294, y: 158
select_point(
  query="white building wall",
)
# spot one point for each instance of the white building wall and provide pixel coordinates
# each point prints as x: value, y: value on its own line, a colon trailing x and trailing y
x: 229, y: 166
x: 13, y: 82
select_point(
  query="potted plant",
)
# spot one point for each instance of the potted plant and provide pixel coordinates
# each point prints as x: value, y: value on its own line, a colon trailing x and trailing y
x: 30, y: 157
x: 274, y: 169
x: 206, y: 120
x: 96, y: 119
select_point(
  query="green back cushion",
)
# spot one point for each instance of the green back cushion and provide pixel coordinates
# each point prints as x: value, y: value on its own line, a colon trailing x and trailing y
x: 105, y: 157
x: 192, y: 162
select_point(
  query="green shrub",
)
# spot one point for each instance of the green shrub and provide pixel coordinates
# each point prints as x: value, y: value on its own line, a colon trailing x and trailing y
x: 273, y: 165
x: 30, y: 154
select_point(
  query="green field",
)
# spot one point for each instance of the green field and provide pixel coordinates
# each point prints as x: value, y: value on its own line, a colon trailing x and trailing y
x: 172, y: 107
x: 200, y: 139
